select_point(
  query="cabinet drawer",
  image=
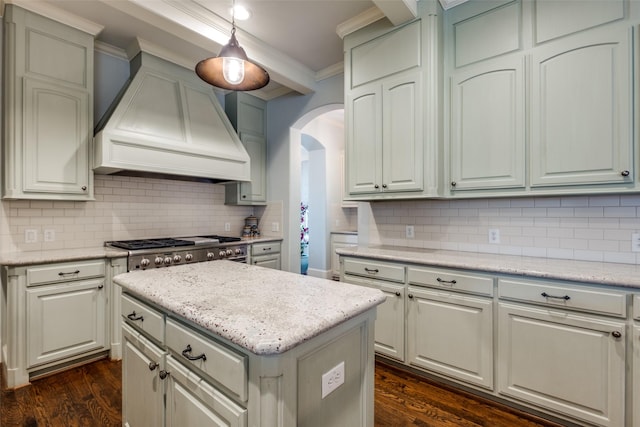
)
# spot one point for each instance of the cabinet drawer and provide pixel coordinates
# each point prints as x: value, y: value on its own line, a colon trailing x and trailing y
x: 224, y: 365
x: 265, y: 248
x: 636, y: 307
x: 143, y: 317
x: 374, y: 269
x: 451, y: 280
x: 62, y: 272
x: 585, y: 298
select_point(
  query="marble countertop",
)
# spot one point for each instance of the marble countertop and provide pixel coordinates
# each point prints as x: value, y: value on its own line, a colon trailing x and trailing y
x: 612, y: 274
x: 17, y: 259
x: 263, y: 310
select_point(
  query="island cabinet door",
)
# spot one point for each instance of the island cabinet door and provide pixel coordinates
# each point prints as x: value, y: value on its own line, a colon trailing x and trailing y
x: 65, y: 320
x: 193, y: 402
x: 571, y: 363
x: 142, y: 387
x: 451, y: 334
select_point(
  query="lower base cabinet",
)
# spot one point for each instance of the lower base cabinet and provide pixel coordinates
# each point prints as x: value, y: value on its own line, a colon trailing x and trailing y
x: 266, y: 255
x: 635, y: 393
x: 567, y: 362
x: 195, y: 402
x: 142, y: 388
x: 451, y: 334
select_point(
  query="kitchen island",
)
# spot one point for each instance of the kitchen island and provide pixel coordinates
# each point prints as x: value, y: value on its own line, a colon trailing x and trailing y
x: 236, y: 344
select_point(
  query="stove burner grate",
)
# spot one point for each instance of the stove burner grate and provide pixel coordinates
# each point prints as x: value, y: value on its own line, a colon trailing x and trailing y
x: 150, y: 243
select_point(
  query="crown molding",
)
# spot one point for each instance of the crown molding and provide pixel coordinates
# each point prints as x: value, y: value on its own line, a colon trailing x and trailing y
x: 367, y: 17
x: 49, y: 10
x: 110, y: 50
x: 448, y: 4
x: 330, y: 71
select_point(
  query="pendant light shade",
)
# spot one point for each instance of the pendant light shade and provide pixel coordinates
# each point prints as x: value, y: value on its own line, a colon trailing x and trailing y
x: 231, y: 69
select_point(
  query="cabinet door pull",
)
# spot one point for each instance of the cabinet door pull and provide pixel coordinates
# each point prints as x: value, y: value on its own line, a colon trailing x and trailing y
x: 565, y: 297
x: 616, y: 334
x: 451, y: 282
x: 624, y: 173
x: 84, y: 188
x: 134, y: 317
x: 69, y: 273
x: 398, y: 294
x: 153, y: 365
x: 376, y: 186
x: 453, y: 183
x: 410, y: 296
x: 187, y: 353
x: 100, y: 286
x: 371, y: 270
x: 384, y: 185
x: 163, y: 374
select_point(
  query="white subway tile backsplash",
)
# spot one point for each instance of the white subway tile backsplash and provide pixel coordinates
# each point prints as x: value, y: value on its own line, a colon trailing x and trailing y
x: 594, y: 228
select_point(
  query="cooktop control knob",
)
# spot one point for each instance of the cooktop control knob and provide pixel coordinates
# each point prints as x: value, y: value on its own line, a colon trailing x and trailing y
x: 238, y: 251
x: 144, y: 263
x: 210, y: 256
x: 158, y: 260
x: 222, y: 254
x: 229, y: 252
x: 168, y: 260
x: 177, y: 259
x: 188, y: 257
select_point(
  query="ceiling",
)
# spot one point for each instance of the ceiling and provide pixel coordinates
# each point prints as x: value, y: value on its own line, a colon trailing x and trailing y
x: 298, y: 41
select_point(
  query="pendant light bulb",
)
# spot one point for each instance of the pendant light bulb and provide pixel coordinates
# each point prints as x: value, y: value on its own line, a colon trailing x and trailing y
x: 233, y: 70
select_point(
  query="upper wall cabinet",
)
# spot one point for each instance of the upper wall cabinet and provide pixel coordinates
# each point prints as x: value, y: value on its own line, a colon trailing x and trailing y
x: 540, y: 98
x: 48, y: 108
x: 391, y: 142
x: 248, y: 115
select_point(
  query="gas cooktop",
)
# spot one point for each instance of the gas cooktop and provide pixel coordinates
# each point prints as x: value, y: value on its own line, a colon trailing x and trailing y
x: 167, y: 242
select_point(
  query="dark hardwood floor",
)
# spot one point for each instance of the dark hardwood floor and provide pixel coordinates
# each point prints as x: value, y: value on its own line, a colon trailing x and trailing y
x: 90, y: 396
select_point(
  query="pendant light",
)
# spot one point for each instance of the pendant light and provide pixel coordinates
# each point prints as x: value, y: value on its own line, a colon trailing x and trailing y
x: 231, y: 69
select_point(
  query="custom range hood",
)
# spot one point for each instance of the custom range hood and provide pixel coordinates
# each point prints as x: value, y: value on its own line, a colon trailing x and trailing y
x: 166, y: 122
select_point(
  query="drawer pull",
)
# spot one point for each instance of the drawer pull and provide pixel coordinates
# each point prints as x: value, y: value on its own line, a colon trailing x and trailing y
x: 163, y: 374
x: 187, y: 353
x: 133, y: 316
x: 546, y: 295
x: 616, y: 334
x: 450, y: 282
x: 266, y: 249
x: 371, y: 270
x: 71, y: 273
x: 100, y: 286
x: 153, y: 365
x: 398, y: 294
x: 410, y: 296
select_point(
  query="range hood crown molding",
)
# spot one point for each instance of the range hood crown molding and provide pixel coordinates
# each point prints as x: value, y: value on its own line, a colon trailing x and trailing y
x: 165, y: 122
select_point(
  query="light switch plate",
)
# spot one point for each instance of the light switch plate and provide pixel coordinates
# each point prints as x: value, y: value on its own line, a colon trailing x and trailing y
x: 30, y: 235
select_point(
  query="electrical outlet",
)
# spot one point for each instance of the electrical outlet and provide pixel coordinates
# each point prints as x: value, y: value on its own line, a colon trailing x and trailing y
x: 410, y: 232
x: 635, y: 242
x: 30, y: 235
x: 227, y: 226
x: 332, y: 379
x: 49, y: 235
x: 494, y: 235
x: 275, y: 226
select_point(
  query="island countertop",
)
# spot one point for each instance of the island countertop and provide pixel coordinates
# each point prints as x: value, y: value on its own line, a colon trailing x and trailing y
x: 263, y: 310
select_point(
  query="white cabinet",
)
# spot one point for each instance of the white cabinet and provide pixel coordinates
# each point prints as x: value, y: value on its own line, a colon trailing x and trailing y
x: 340, y: 240
x: 385, y: 146
x: 59, y: 313
x: 389, y: 100
x: 65, y: 320
x: 635, y: 393
x: 487, y: 146
x: 565, y: 361
x: 390, y: 316
x: 450, y: 324
x: 194, y: 402
x: 142, y: 388
x: 581, y: 122
x: 248, y: 115
x: 48, y: 108
x: 540, y: 98
x: 266, y: 255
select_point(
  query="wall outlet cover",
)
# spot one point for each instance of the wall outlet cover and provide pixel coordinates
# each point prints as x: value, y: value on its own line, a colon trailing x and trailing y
x: 332, y: 379
x: 410, y: 232
x: 30, y: 235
